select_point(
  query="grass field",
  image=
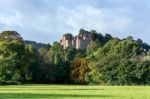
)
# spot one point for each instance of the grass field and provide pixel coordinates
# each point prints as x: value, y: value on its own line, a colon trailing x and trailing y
x: 74, y: 92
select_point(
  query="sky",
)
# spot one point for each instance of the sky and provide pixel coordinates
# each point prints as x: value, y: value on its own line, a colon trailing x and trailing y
x: 47, y: 20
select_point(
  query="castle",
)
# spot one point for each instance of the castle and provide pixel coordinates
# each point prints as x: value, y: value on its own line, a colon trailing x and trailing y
x: 77, y: 42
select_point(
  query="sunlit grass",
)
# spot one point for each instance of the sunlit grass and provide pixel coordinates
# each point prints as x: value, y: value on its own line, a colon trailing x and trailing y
x: 74, y: 92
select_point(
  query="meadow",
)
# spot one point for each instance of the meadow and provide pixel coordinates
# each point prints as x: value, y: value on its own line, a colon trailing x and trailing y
x: 73, y: 92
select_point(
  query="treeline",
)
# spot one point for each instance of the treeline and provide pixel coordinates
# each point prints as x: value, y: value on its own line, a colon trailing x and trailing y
x: 105, y: 61
x: 37, y: 45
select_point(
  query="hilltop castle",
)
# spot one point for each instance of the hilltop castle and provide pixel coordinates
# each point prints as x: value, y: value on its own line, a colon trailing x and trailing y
x: 78, y: 42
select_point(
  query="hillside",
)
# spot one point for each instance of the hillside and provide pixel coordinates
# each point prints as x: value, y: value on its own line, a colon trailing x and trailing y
x: 37, y: 45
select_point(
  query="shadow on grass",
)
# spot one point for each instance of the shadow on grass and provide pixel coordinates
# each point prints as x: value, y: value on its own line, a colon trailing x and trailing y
x: 30, y: 95
x: 52, y: 89
x: 77, y: 89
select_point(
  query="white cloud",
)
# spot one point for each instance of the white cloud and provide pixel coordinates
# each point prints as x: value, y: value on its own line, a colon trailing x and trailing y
x: 10, y: 18
x: 89, y: 17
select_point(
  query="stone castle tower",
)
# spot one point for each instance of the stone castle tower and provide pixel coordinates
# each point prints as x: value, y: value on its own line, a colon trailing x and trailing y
x: 78, y: 42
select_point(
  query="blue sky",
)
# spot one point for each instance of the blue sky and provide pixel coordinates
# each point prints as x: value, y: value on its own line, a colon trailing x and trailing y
x: 47, y: 20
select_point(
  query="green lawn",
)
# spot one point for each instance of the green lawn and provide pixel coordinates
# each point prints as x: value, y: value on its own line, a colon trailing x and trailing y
x: 74, y: 92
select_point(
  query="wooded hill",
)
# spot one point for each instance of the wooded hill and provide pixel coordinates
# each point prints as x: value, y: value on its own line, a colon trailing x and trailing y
x: 105, y: 61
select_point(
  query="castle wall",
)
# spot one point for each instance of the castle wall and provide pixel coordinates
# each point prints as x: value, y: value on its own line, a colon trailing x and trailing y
x: 76, y: 42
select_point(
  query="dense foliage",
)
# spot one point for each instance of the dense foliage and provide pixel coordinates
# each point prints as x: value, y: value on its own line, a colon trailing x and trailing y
x: 105, y: 61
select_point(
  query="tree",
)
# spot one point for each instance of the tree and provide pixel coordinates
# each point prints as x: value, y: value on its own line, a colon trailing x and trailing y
x: 69, y: 53
x: 10, y: 35
x: 130, y: 38
x: 108, y: 37
x: 92, y: 47
x: 116, y: 63
x: 79, y: 68
x: 56, y: 53
x: 13, y: 60
x: 43, y: 53
x: 83, y: 32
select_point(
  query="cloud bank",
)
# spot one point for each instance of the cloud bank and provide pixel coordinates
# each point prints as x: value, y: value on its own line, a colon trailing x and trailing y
x: 46, y: 20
